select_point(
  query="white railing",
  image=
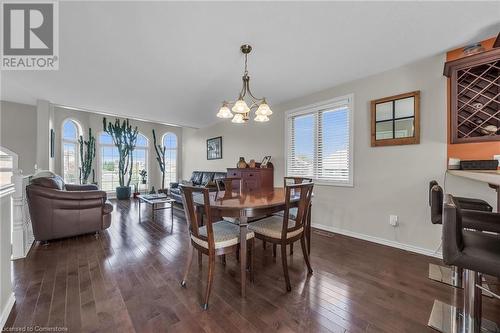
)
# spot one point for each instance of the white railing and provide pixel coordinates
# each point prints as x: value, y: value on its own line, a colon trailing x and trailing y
x: 6, y: 295
x: 22, y: 231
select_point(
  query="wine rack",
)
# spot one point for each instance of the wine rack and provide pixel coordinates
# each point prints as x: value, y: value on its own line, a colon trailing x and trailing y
x: 475, y: 97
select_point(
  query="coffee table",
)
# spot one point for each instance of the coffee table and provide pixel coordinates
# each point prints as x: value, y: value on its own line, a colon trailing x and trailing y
x: 157, y: 202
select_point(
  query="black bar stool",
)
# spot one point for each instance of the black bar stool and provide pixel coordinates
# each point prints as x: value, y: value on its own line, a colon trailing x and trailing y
x: 476, y: 253
x: 473, y: 219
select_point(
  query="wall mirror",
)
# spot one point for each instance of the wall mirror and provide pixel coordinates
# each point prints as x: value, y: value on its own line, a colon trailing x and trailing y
x: 396, y: 120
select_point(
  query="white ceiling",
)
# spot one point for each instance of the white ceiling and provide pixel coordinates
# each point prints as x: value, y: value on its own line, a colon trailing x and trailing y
x: 175, y: 62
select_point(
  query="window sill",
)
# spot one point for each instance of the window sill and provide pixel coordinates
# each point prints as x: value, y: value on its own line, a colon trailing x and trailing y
x: 325, y: 183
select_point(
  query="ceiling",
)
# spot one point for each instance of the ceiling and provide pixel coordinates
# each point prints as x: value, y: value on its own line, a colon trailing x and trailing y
x: 176, y: 62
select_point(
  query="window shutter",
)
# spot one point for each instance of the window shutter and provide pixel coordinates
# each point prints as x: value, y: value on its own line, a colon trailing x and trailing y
x: 319, y: 143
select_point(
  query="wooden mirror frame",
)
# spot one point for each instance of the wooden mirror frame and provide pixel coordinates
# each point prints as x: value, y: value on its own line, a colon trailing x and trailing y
x: 415, y: 139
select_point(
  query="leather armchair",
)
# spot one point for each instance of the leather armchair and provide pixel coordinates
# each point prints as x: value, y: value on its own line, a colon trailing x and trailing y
x: 58, y: 210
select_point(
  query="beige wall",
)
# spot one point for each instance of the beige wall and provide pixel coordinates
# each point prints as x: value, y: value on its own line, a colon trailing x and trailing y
x: 18, y: 127
x: 252, y: 141
x: 387, y: 180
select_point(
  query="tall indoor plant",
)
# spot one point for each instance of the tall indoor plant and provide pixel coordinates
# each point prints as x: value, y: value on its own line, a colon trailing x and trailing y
x: 87, y: 155
x: 124, y: 138
x: 160, y: 158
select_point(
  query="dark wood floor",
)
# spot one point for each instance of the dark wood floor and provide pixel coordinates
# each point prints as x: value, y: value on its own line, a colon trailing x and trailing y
x: 128, y: 280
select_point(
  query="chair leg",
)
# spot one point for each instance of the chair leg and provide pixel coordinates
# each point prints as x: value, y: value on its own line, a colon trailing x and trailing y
x: 188, y: 265
x: 274, y: 251
x: 200, y: 259
x: 291, y: 249
x: 264, y: 244
x: 210, y: 279
x: 285, y: 266
x: 306, y: 255
x: 238, y: 253
x: 251, y: 259
x: 223, y: 259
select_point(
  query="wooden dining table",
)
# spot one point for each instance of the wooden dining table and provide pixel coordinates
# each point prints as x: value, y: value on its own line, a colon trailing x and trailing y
x: 250, y: 205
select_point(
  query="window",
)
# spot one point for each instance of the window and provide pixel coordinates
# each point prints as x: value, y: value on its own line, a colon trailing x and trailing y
x: 140, y: 162
x: 319, y: 142
x: 170, y: 143
x: 70, y: 134
x: 8, y: 162
x: 109, y: 162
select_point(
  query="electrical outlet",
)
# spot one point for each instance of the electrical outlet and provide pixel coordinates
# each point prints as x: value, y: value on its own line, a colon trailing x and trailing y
x: 393, y: 220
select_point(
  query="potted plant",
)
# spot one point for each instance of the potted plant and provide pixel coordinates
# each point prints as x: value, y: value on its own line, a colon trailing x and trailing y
x: 87, y: 155
x: 144, y: 174
x: 124, y: 137
x: 160, y: 158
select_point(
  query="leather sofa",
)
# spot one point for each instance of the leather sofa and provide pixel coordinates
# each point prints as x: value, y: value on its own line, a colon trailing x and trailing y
x: 61, y: 210
x: 198, y: 178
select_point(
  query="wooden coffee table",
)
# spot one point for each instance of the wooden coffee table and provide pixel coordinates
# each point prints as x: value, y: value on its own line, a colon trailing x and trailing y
x: 157, y: 202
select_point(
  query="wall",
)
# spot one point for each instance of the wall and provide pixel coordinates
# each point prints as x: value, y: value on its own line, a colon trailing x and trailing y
x: 387, y: 180
x: 252, y: 141
x: 94, y: 120
x: 16, y: 122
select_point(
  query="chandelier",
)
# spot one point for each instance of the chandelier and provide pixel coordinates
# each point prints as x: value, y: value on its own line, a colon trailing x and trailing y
x: 240, y: 107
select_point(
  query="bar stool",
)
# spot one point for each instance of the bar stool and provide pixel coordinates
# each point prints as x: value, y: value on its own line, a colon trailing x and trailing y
x: 473, y: 219
x: 477, y: 253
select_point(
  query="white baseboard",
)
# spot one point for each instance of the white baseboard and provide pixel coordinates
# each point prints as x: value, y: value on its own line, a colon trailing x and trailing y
x: 373, y: 239
x: 6, y: 310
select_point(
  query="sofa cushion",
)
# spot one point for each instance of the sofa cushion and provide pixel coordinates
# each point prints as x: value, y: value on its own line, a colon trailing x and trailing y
x: 206, y: 178
x: 196, y: 177
x: 55, y: 182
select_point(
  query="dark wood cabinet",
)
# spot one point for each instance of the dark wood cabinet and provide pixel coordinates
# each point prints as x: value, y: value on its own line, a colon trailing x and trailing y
x: 253, y: 178
x: 475, y: 97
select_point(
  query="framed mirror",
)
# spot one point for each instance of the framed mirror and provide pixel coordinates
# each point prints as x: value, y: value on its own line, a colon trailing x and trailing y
x: 396, y: 120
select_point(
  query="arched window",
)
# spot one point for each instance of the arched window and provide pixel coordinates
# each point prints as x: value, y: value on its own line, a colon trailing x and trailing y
x: 8, y: 163
x: 140, y: 162
x: 109, y: 162
x: 170, y: 143
x: 71, y: 131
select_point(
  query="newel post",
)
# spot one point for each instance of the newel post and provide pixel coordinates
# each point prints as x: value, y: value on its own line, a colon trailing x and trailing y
x: 19, y: 228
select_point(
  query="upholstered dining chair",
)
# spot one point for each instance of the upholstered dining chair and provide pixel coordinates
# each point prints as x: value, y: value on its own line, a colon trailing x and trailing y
x: 213, y: 238
x: 293, y: 211
x: 283, y: 230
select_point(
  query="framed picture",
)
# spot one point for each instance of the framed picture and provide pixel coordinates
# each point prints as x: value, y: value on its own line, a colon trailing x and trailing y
x: 214, y: 148
x: 264, y: 162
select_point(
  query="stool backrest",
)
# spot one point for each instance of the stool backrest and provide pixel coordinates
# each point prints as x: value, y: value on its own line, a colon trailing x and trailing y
x: 452, y: 230
x: 436, y: 203
x: 304, y: 192
x: 193, y: 198
x: 228, y: 183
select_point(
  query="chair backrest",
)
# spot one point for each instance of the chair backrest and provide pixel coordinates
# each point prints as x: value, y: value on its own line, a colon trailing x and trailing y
x: 436, y: 202
x: 296, y: 180
x: 228, y: 183
x: 193, y: 198
x: 452, y: 230
x: 304, y: 192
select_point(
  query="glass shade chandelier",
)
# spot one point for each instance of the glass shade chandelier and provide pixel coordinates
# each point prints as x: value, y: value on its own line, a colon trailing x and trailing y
x: 240, y: 107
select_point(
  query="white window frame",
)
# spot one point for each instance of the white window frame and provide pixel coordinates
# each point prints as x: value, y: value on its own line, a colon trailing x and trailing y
x: 176, y: 154
x: 15, y: 160
x: 101, y: 145
x: 79, y: 132
x: 314, y: 108
x: 146, y: 157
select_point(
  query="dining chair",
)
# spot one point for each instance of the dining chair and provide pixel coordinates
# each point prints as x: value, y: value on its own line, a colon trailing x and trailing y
x: 293, y: 211
x: 283, y: 230
x: 213, y: 238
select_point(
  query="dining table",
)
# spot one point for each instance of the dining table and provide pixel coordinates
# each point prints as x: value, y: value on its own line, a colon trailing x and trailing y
x: 246, y: 206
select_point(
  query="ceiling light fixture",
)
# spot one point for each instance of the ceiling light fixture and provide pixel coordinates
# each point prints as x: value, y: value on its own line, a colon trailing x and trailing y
x: 240, y: 107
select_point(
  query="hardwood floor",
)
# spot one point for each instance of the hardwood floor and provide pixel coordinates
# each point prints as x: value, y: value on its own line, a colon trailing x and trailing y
x: 128, y: 279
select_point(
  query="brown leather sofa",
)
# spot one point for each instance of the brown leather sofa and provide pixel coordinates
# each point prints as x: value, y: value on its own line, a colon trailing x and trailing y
x: 60, y: 210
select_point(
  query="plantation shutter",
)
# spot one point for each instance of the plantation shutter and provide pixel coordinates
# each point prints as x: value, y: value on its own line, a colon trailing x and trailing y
x: 319, y: 143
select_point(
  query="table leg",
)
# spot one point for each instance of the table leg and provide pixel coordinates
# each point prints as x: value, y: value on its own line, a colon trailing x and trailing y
x: 243, y: 252
x: 498, y: 199
x: 308, y: 229
x: 139, y: 210
x: 153, y: 211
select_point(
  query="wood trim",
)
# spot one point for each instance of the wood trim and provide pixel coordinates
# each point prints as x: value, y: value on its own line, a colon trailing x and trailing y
x: 400, y: 141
